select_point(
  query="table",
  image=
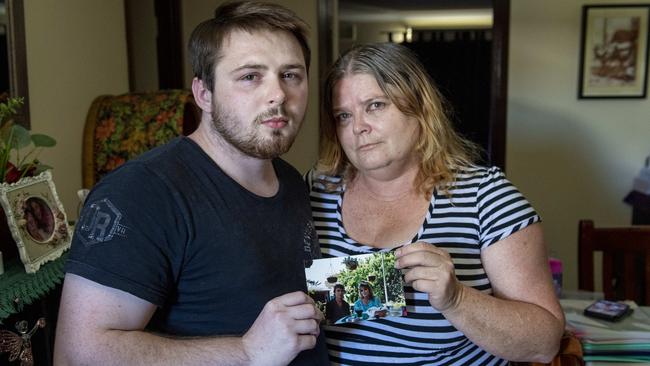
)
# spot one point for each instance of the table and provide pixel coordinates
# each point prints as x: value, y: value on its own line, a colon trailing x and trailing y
x: 18, y: 288
x: 610, y: 343
x: 29, y: 297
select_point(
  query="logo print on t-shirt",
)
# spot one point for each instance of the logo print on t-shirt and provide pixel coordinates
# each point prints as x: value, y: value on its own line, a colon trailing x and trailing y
x: 311, y: 249
x: 100, y: 222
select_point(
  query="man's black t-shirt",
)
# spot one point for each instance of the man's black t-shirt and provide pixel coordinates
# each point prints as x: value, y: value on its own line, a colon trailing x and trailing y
x: 172, y: 228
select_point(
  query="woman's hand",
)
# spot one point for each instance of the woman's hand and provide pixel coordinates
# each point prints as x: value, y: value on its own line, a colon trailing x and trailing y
x: 429, y: 269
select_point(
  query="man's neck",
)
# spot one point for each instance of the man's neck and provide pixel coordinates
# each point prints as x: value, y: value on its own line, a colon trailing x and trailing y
x: 254, y: 174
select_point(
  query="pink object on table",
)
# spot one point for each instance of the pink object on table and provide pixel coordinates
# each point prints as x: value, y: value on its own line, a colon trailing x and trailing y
x: 556, y: 273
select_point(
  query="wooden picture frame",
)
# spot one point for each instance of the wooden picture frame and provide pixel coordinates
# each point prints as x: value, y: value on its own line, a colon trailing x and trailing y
x: 36, y: 219
x: 614, y: 51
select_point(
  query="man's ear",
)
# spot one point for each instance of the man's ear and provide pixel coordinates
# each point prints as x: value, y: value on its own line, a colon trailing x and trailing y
x: 202, y: 95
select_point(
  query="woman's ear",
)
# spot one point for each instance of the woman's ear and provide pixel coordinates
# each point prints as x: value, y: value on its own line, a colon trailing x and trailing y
x: 202, y: 95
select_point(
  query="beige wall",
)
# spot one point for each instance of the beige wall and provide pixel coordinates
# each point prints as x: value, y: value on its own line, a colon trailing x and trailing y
x: 304, y: 152
x: 76, y: 50
x: 574, y: 159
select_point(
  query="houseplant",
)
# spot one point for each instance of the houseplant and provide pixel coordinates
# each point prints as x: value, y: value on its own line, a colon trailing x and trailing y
x: 350, y: 263
x: 19, y: 148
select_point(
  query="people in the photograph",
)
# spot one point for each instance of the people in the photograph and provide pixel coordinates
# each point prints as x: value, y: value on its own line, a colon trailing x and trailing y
x: 337, y: 308
x: 39, y: 221
x: 392, y: 171
x: 367, y: 298
x: 192, y: 254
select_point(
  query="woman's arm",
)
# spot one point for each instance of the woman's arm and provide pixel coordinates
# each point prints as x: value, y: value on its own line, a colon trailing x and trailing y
x: 522, y: 321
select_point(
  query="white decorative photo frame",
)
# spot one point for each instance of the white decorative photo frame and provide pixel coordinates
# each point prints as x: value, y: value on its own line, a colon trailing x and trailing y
x: 36, y: 220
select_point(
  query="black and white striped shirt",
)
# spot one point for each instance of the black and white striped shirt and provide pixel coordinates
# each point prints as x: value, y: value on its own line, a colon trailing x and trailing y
x: 482, y: 208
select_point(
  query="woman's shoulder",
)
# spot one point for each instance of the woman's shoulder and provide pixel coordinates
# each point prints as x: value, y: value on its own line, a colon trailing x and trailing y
x: 476, y: 177
x: 477, y: 172
x: 323, y: 183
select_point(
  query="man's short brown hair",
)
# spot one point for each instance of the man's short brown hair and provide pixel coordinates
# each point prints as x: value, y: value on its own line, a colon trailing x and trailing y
x: 207, y: 38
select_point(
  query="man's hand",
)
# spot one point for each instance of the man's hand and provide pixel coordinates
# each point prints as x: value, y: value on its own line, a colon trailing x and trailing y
x: 286, y: 326
x: 431, y: 270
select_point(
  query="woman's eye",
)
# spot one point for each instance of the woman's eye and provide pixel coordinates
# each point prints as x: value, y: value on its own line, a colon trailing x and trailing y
x: 376, y: 105
x: 342, y: 117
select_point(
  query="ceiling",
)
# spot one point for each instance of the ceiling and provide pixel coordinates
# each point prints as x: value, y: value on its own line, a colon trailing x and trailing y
x: 417, y: 4
x: 419, y: 13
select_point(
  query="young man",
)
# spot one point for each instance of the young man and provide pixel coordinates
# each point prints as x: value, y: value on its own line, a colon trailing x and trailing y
x: 193, y: 253
x: 337, y: 308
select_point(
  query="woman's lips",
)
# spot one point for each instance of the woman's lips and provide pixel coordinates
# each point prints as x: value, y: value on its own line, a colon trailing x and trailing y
x: 367, y: 146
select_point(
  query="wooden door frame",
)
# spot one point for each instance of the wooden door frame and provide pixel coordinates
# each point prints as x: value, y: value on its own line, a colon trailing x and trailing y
x: 499, y: 85
x: 169, y: 44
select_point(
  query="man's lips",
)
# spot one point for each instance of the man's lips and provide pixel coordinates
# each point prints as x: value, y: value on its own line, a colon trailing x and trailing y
x: 276, y: 122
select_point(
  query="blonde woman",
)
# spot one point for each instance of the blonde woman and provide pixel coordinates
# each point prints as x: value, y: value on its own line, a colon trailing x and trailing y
x: 393, y: 175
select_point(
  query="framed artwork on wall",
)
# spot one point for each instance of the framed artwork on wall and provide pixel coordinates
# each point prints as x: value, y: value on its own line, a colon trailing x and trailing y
x: 36, y: 219
x: 614, y: 51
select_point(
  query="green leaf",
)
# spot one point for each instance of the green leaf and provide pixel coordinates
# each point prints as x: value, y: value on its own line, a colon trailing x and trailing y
x: 41, y: 140
x: 5, y: 132
x: 20, y: 137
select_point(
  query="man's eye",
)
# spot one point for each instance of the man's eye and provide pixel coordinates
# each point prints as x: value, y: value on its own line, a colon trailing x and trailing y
x: 249, y: 77
x: 291, y: 76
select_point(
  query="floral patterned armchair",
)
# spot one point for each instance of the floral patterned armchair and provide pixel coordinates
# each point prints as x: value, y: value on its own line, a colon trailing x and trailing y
x: 121, y: 127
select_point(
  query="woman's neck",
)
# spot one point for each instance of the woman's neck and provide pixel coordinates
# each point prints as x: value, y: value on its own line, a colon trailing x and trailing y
x: 386, y: 189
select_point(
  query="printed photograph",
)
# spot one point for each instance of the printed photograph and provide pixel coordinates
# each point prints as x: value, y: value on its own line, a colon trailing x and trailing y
x: 38, y: 218
x: 356, y: 288
x: 614, y: 51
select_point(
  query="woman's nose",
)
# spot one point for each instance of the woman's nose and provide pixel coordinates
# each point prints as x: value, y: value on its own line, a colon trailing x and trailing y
x: 360, y: 124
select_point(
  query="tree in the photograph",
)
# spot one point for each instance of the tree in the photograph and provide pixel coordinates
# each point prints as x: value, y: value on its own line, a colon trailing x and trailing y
x: 370, y: 270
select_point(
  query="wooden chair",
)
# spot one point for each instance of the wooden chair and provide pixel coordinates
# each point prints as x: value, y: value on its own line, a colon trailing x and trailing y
x: 121, y: 127
x: 626, y: 260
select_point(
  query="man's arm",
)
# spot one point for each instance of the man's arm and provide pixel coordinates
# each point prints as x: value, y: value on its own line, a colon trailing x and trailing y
x: 104, y: 326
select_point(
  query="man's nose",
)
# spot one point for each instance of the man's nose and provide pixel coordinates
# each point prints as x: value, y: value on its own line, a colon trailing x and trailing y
x: 276, y: 93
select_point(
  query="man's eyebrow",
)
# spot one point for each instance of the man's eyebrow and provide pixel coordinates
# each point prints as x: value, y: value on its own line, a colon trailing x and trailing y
x: 250, y: 66
x: 293, y: 66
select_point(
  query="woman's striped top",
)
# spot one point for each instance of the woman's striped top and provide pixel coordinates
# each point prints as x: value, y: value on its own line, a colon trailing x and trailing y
x: 481, y: 208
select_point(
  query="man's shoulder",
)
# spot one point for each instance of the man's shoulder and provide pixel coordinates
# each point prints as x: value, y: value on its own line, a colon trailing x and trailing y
x: 286, y: 169
x: 160, y: 162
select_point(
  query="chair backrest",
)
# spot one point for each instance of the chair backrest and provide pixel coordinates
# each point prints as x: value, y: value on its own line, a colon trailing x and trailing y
x: 625, y: 260
x: 121, y: 127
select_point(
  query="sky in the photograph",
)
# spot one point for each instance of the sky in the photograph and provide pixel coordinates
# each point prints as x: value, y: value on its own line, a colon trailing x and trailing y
x: 323, y: 268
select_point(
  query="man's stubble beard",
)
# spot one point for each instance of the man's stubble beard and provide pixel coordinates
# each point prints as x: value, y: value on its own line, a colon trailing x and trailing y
x: 248, y: 142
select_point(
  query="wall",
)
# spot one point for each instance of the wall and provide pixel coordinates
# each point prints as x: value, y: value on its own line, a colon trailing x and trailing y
x: 304, y: 152
x: 574, y: 159
x: 76, y: 50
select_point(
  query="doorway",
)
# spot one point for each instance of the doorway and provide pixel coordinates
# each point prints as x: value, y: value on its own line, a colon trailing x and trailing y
x: 467, y: 61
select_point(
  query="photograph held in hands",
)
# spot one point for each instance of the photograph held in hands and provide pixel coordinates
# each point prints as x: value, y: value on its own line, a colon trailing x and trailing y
x: 356, y: 288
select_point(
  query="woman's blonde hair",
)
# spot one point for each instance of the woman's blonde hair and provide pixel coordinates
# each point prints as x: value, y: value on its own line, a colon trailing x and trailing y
x: 406, y: 83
